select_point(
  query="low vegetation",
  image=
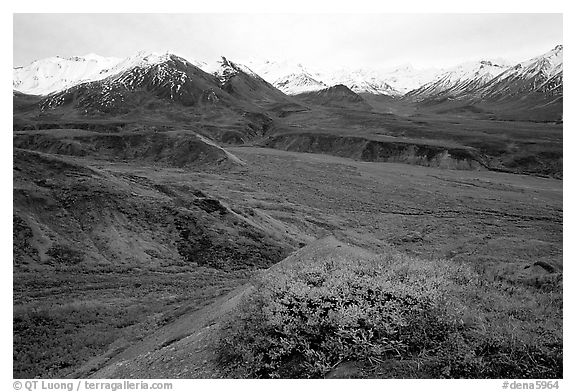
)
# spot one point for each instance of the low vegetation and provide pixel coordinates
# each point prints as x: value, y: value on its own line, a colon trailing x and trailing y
x: 394, y: 316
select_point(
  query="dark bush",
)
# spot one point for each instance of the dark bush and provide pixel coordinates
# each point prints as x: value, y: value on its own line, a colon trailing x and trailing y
x: 304, y: 320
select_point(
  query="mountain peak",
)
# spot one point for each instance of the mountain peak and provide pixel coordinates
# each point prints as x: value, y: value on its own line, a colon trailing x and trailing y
x: 225, y: 69
x: 225, y: 61
x: 557, y: 52
x: 150, y: 58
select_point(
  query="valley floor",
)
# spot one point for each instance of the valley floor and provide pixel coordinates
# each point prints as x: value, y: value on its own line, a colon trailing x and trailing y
x: 87, y: 317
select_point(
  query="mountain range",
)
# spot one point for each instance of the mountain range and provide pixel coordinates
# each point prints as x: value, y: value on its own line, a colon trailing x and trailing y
x: 94, y: 83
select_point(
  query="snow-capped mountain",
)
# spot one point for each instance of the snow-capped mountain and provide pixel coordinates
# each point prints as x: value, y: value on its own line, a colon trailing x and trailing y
x: 459, y: 81
x: 43, y: 77
x: 151, y: 80
x: 541, y: 74
x: 242, y: 82
x: 294, y: 78
x: 294, y: 84
x: 128, y: 83
x: 406, y: 78
x: 360, y: 81
x: 298, y: 83
x: 57, y: 73
x: 274, y: 70
x: 225, y: 69
x: 489, y: 81
x: 289, y: 77
x: 480, y: 80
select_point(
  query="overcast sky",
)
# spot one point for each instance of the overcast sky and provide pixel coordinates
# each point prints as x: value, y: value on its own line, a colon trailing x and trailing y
x: 333, y: 40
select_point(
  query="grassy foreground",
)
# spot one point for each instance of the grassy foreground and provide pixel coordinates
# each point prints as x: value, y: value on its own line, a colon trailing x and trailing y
x: 347, y: 313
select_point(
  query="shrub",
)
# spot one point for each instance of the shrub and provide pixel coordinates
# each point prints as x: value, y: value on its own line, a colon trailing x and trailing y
x: 302, y: 322
x: 304, y: 319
